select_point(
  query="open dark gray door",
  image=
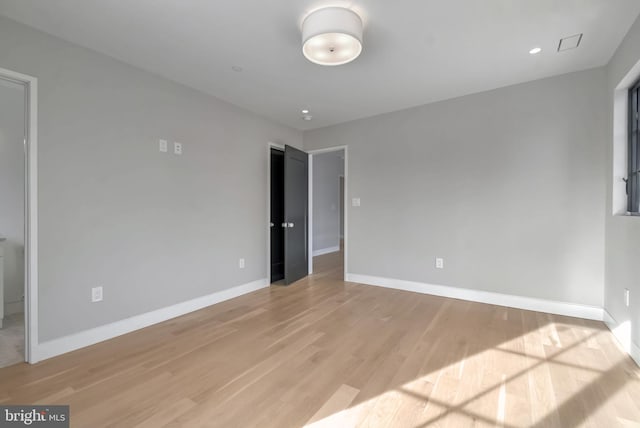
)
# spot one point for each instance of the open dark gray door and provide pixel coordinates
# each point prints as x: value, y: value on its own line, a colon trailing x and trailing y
x: 296, y: 194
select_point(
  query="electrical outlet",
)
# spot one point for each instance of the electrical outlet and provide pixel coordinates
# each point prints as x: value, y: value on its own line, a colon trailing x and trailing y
x: 355, y: 202
x: 439, y: 263
x: 626, y: 297
x: 96, y: 294
x: 241, y: 263
x: 163, y: 146
x: 177, y: 148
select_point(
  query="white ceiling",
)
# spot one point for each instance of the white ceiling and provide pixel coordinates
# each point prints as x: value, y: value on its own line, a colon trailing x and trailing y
x: 415, y: 51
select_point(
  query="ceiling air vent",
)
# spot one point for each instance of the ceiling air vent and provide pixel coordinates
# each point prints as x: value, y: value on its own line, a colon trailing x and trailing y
x: 570, y: 42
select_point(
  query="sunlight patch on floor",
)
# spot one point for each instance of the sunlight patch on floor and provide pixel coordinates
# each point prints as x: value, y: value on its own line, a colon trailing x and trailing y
x: 520, y: 383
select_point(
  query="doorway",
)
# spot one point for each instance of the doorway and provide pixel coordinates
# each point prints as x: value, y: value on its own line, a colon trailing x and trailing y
x: 288, y: 214
x: 328, y: 208
x: 12, y: 239
x: 277, y: 214
x: 18, y: 218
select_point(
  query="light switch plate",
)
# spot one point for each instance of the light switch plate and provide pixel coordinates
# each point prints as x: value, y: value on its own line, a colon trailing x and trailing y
x: 355, y: 202
x: 241, y: 263
x: 163, y: 146
x: 439, y: 263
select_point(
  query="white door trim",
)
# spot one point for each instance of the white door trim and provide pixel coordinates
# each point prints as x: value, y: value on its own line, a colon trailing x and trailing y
x: 344, y: 203
x: 310, y: 215
x: 31, y: 211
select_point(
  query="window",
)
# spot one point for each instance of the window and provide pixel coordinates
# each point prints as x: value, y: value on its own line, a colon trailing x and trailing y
x: 633, y: 172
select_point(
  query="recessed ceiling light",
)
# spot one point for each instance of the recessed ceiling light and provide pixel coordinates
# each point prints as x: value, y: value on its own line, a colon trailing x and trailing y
x: 535, y: 51
x: 236, y: 68
x: 305, y: 111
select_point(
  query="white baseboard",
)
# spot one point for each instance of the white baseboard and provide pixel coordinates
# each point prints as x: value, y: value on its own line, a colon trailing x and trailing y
x: 608, y: 319
x: 79, y: 340
x: 512, y: 301
x: 623, y: 335
x: 634, y: 353
x: 326, y: 251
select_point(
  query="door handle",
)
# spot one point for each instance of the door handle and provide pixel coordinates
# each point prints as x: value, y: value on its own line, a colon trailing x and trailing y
x: 290, y: 225
x: 284, y: 225
x: 271, y: 224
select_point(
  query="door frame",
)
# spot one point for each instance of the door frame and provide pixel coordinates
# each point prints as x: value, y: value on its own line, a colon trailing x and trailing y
x: 30, y: 84
x: 344, y: 202
x: 270, y: 146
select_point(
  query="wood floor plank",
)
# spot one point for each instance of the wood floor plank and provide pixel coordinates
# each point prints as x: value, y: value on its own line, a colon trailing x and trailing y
x: 338, y: 402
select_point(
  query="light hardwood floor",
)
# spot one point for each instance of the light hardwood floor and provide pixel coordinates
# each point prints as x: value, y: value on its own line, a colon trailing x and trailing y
x: 323, y: 352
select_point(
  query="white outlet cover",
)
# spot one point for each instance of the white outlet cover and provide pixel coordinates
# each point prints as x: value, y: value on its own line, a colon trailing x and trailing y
x: 177, y: 148
x: 355, y: 202
x: 439, y: 263
x: 96, y: 294
x: 241, y: 263
x: 163, y: 146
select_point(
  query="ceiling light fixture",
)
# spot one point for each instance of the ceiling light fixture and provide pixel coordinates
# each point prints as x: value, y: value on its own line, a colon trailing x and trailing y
x: 305, y: 111
x: 332, y: 36
x: 535, y: 51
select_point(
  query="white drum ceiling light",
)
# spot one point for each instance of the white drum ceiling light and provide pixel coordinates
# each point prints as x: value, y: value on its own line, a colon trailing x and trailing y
x: 332, y: 36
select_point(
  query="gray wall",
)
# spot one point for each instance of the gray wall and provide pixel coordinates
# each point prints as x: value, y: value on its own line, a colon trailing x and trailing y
x: 153, y: 229
x: 622, y: 233
x: 327, y: 169
x: 508, y: 186
x: 12, y: 192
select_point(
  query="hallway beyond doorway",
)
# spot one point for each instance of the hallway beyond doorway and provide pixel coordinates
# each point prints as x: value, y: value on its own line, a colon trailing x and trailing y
x: 330, y: 265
